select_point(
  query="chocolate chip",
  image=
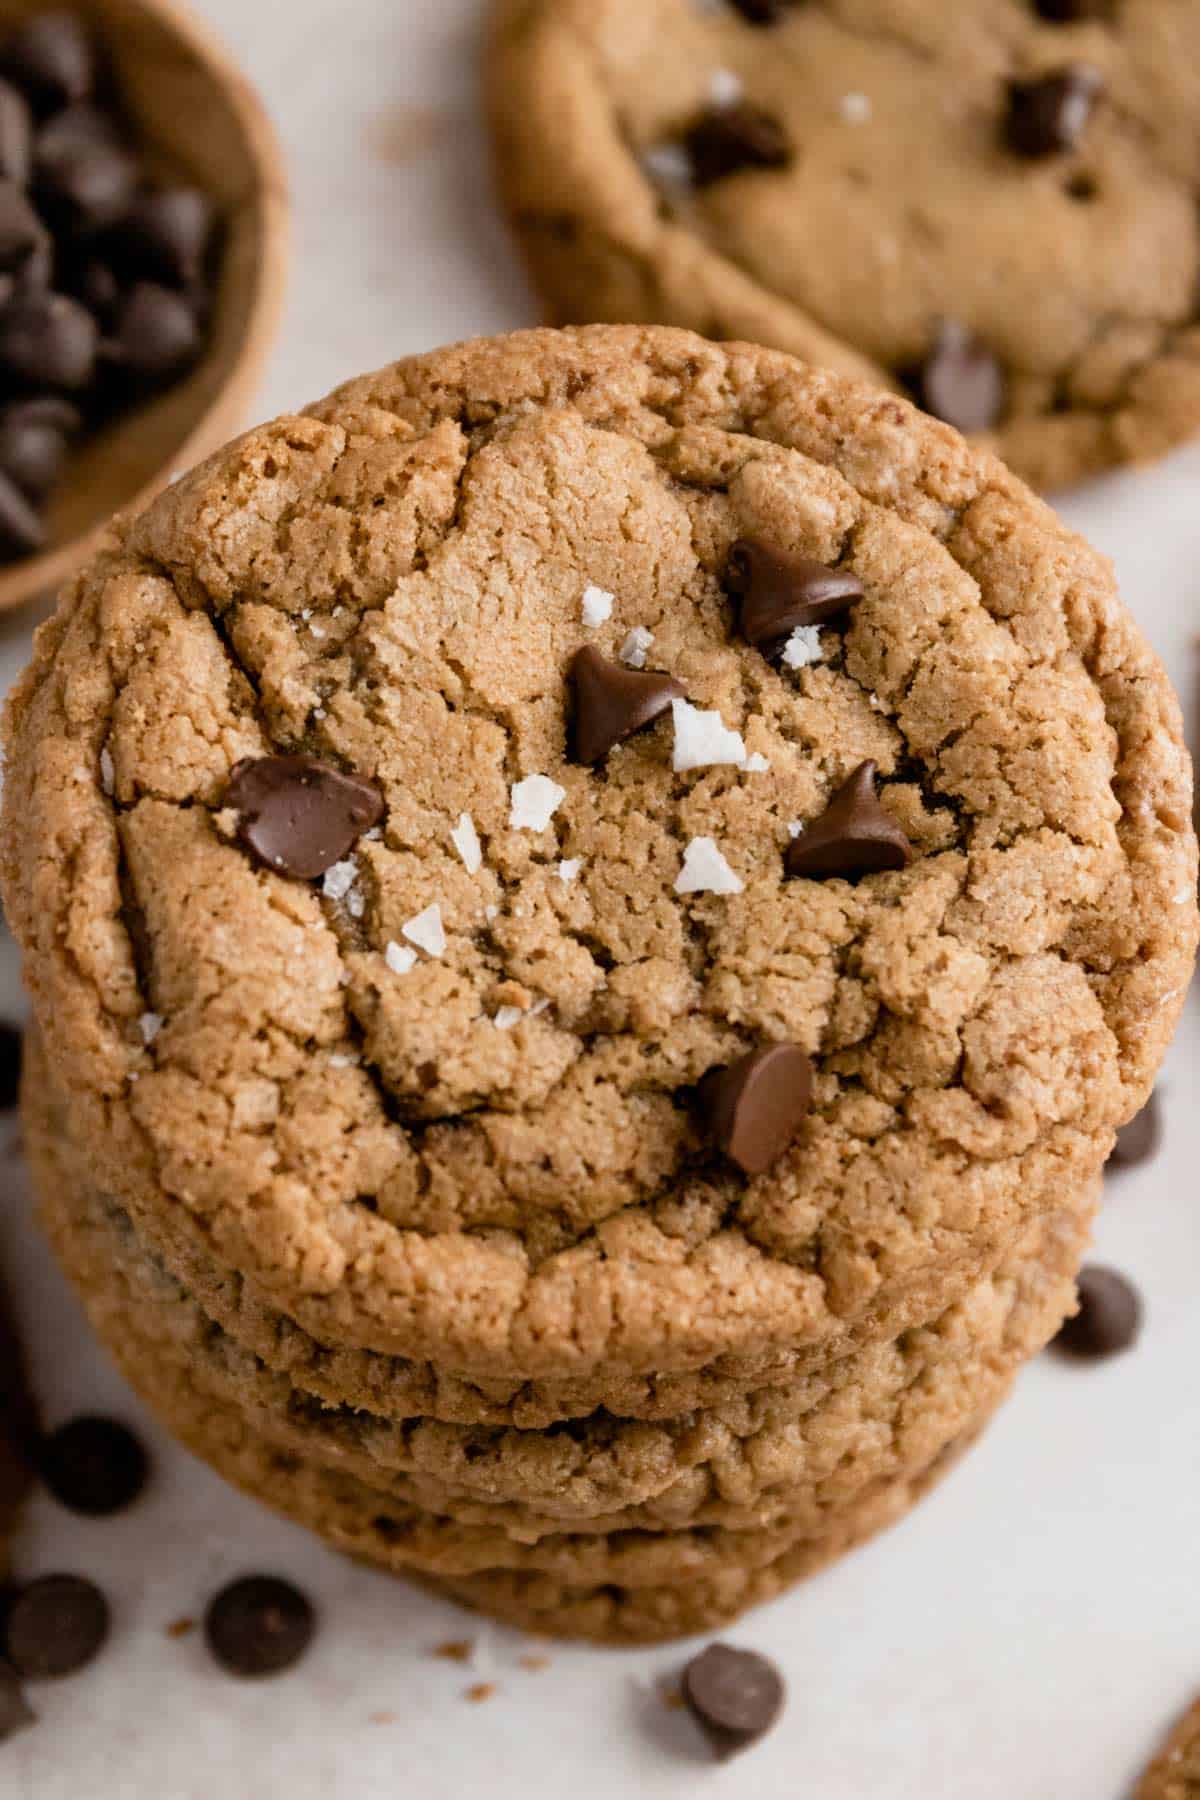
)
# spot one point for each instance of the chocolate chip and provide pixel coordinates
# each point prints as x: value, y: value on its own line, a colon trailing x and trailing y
x: 49, y: 341
x: 1050, y: 114
x: 1138, y: 1141
x: 763, y: 12
x: 757, y: 1105
x: 299, y: 815
x: 15, y: 1710
x: 50, y: 59
x: 34, y: 438
x: 258, y: 1626
x: 727, y: 139
x: 961, y: 381
x: 21, y: 530
x: 16, y: 135
x: 612, y: 702
x: 1067, y: 12
x: 1109, y: 1317
x: 853, y: 836
x: 165, y: 236
x: 81, y: 191
x: 77, y: 128
x: 781, y: 592
x: 55, y: 1626
x: 157, y: 332
x: 735, y: 1696
x: 11, y: 1047
x: 21, y: 231
x: 93, y: 1466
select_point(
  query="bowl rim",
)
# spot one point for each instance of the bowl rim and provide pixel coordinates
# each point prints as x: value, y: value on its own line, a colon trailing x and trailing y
x: 37, y: 576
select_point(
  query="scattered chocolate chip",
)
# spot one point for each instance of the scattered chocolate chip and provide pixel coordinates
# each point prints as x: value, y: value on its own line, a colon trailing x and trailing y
x: 21, y: 231
x: 50, y: 58
x: 300, y: 815
x: 16, y: 136
x: 34, y: 438
x: 15, y: 1710
x: 258, y: 1626
x: 77, y: 129
x: 157, y: 332
x: 49, y: 341
x: 11, y: 1049
x: 94, y: 1466
x: 81, y: 191
x: 735, y: 1696
x: 612, y: 702
x: 1138, y: 1141
x: 758, y: 1104
x: 1050, y: 114
x: 1109, y: 1317
x: 165, y: 236
x: 853, y: 836
x: 961, y: 381
x: 1067, y: 12
x: 728, y: 139
x: 780, y: 592
x: 21, y: 530
x: 54, y: 1626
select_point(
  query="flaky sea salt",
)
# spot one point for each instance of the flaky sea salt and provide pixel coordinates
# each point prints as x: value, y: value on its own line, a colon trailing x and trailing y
x: 150, y: 1024
x: 597, y: 607
x: 856, y: 109
x: 705, y: 870
x: 535, y: 802
x: 633, y: 650
x: 426, y: 931
x: 803, y: 647
x: 702, y: 739
x: 108, y: 775
x: 568, y: 869
x: 755, y: 764
x: 399, y: 958
x: 726, y: 88
x: 340, y: 1060
x: 507, y: 1017
x: 465, y: 839
x: 795, y: 828
x: 668, y: 164
x: 339, y: 880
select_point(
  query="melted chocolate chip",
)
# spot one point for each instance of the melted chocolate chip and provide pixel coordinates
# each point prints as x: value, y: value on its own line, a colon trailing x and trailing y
x: 50, y: 59
x: 93, y: 1466
x: 961, y: 381
x: 612, y: 702
x: 1138, y: 1141
x: 259, y: 1626
x: 1109, y: 1319
x: 1050, y: 114
x: 55, y: 1626
x: 757, y: 1105
x: 853, y: 836
x: 780, y: 592
x: 299, y: 815
x: 729, y: 139
x: 49, y: 341
x: 735, y: 1696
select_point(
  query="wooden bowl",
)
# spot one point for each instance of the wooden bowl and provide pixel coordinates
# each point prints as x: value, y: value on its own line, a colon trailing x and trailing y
x: 199, y: 119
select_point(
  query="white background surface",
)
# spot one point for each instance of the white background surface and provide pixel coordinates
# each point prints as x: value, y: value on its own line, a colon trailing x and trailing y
x: 1033, y: 1628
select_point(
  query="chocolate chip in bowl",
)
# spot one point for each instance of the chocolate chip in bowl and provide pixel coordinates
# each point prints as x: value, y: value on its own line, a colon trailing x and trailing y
x: 142, y: 230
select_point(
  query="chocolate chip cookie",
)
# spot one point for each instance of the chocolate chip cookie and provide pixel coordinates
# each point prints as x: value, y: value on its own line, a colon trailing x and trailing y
x: 991, y: 206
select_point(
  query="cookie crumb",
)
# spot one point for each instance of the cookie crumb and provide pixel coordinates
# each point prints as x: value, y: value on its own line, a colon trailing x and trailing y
x: 181, y: 1628
x: 534, y: 1664
x: 381, y: 1718
x: 459, y: 1650
x: 482, y: 1690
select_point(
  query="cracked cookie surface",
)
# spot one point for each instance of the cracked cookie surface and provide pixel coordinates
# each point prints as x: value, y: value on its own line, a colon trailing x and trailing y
x: 396, y: 583
x: 896, y: 199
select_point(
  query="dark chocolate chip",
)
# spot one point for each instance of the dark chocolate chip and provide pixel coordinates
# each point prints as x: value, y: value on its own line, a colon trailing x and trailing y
x: 21, y: 231
x: 77, y: 128
x: 21, y: 530
x: 11, y: 1046
x: 50, y: 59
x: 728, y: 139
x: 54, y: 1626
x: 93, y: 283
x: 612, y: 702
x: 1067, y: 12
x: 853, y: 836
x: 15, y: 1710
x: 735, y: 1696
x: 165, y: 236
x: 1138, y: 1141
x: 1109, y: 1317
x: 94, y: 1466
x: 34, y: 439
x: 259, y: 1626
x: 961, y: 381
x: 157, y: 333
x: 82, y: 191
x: 763, y: 12
x: 758, y: 1104
x: 16, y: 135
x: 49, y: 341
x: 780, y: 592
x: 1050, y: 113
x: 299, y: 816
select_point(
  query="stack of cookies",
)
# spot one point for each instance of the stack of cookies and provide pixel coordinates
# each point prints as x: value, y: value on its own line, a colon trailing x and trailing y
x: 593, y: 905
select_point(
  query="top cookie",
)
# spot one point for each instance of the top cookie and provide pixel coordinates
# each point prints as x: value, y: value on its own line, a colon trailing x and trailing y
x: 992, y: 205
x: 448, y: 1099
